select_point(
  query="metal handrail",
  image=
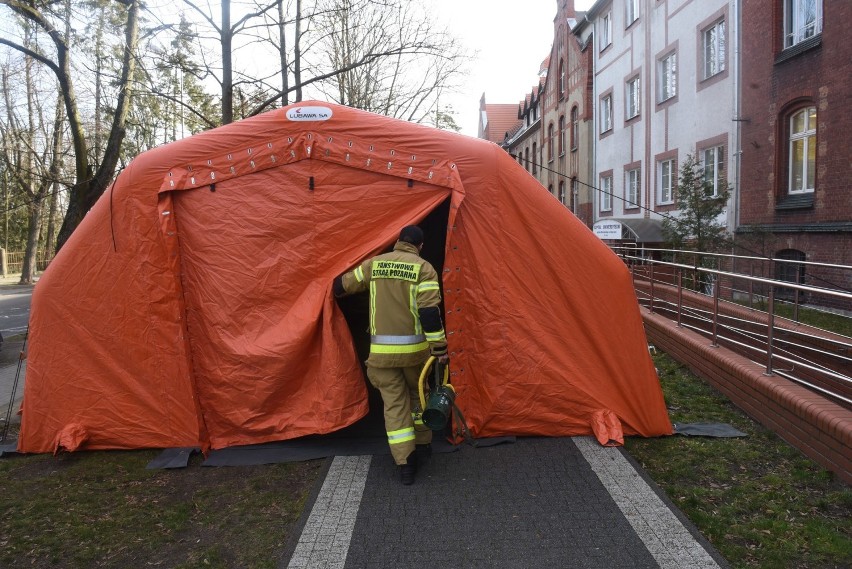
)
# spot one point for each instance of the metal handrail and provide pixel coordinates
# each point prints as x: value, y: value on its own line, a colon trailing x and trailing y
x: 661, y: 304
x: 732, y: 256
x: 763, y: 280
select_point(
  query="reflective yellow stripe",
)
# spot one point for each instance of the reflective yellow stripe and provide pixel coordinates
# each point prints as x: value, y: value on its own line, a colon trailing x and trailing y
x: 436, y: 336
x: 401, y: 436
x: 412, y: 306
x: 417, y: 418
x: 372, y: 307
x: 428, y: 285
x: 359, y: 274
x: 399, y: 349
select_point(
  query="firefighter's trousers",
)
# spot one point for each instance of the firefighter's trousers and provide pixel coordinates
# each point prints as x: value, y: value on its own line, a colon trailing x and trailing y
x: 403, y: 421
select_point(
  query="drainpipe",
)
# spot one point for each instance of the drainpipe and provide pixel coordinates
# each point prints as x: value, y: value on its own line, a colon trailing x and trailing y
x: 737, y: 96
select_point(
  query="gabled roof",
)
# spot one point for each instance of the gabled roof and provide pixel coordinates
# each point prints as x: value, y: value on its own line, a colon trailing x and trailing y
x: 499, y: 119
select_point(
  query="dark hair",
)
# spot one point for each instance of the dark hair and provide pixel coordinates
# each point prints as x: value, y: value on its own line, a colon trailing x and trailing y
x: 411, y: 234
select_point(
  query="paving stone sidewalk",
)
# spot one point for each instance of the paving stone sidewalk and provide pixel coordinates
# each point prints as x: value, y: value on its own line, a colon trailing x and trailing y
x: 539, y: 502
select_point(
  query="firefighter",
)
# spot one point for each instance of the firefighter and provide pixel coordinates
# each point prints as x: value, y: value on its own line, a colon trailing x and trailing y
x: 405, y: 329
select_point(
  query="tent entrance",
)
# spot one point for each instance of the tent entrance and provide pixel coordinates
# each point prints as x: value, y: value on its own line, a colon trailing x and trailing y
x: 356, y: 310
x: 258, y: 254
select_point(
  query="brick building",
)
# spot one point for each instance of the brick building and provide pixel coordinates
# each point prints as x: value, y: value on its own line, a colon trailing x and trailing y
x: 524, y: 141
x: 796, y: 182
x: 567, y: 117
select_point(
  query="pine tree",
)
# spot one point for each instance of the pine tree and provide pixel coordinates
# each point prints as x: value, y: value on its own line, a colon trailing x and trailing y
x: 699, y: 224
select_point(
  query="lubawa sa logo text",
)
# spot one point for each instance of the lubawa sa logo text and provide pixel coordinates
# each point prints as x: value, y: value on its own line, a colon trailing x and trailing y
x: 309, y: 114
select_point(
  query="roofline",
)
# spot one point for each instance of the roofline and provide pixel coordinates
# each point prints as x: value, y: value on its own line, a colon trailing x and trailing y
x: 591, y: 13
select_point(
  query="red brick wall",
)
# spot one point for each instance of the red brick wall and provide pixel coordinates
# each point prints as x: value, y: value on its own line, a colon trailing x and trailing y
x: 820, y: 76
x: 818, y: 428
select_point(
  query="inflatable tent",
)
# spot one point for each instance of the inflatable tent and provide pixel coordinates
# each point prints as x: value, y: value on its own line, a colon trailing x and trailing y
x: 193, y: 305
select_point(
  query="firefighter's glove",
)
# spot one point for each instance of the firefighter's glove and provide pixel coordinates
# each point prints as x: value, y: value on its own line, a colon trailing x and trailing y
x: 337, y: 287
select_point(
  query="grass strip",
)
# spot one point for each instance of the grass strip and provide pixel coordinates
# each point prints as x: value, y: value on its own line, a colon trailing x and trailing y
x: 760, y: 501
x: 103, y: 509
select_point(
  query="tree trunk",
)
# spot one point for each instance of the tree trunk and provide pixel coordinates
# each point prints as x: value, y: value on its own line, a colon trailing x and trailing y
x: 90, y: 185
x: 282, y: 52
x: 227, y: 65
x: 30, y: 264
x: 297, y: 52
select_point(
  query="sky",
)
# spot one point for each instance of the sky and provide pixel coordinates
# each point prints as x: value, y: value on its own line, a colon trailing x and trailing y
x: 510, y: 39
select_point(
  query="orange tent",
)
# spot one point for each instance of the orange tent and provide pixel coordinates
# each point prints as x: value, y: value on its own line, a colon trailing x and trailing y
x: 193, y: 305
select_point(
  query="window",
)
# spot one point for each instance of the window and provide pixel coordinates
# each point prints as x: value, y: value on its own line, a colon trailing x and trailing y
x: 632, y: 103
x: 802, y: 20
x: 527, y: 158
x: 575, y: 193
x: 666, y: 177
x: 631, y: 190
x: 561, y: 78
x: 713, y: 160
x: 562, y: 135
x: 631, y: 12
x: 575, y: 128
x: 550, y: 141
x: 606, y: 193
x: 606, y: 31
x: 668, y: 77
x: 606, y: 114
x: 791, y: 272
x: 535, y: 162
x: 713, y: 49
x: 802, y: 161
x: 561, y: 195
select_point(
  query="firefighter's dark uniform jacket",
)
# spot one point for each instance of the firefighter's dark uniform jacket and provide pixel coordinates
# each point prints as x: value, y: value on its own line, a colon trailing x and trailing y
x: 405, y: 317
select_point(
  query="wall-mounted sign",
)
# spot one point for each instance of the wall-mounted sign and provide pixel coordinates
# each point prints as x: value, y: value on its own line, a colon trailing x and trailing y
x: 607, y: 229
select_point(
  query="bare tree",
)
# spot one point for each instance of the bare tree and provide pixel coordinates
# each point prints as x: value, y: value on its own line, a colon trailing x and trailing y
x: 90, y: 181
x: 388, y: 57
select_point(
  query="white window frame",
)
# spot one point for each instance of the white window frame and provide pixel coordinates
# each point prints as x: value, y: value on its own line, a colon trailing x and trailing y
x: 798, y: 24
x: 550, y: 150
x: 666, y: 173
x: 631, y: 12
x: 606, y: 193
x: 713, y: 163
x: 575, y: 128
x: 808, y: 139
x: 668, y: 76
x: 561, y: 192
x: 606, y: 31
x: 606, y: 113
x: 562, y: 131
x: 714, y: 49
x: 575, y: 194
x: 632, y: 186
x: 633, y: 93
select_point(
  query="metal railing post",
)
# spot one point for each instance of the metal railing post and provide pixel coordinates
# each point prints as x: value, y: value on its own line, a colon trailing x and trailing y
x: 770, y: 333
x: 651, y: 300
x: 679, y: 295
x: 715, y: 285
x: 796, y: 307
x: 751, y: 286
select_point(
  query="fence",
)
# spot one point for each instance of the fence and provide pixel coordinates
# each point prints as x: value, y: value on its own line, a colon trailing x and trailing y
x: 15, y: 261
x: 740, y: 311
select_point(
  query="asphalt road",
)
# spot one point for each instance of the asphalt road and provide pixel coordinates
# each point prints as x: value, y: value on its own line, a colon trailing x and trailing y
x: 14, y: 309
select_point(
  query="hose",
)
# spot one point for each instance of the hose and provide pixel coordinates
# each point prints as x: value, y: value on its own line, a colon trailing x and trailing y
x: 420, y: 382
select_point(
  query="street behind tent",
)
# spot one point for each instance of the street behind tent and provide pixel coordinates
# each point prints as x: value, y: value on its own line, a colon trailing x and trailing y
x: 193, y: 305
